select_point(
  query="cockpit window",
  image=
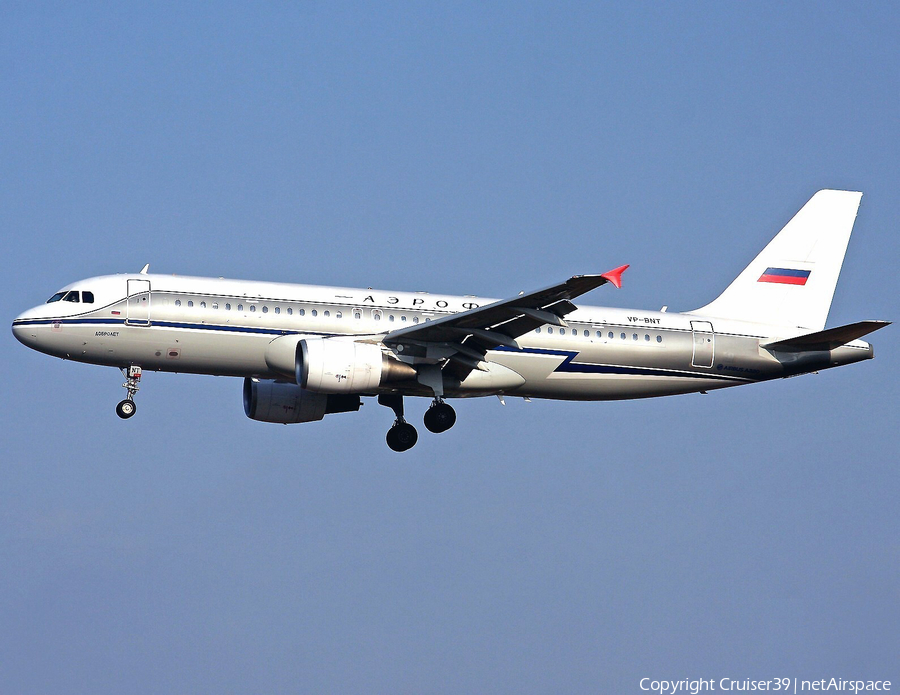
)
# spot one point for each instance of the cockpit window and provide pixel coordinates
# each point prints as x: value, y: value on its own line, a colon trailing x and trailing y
x: 71, y: 296
x: 56, y: 297
x: 87, y: 297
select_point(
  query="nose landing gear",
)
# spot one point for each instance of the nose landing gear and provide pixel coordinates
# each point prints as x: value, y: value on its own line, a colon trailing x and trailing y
x: 125, y: 409
x: 440, y: 417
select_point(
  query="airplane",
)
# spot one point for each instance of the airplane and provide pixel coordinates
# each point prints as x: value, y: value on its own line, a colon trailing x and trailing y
x: 308, y: 351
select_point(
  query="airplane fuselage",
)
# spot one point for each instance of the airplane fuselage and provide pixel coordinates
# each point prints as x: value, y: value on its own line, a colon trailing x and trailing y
x: 227, y: 327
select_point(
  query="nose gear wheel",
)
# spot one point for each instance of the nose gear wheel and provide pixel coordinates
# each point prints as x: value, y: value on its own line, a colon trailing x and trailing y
x: 126, y: 409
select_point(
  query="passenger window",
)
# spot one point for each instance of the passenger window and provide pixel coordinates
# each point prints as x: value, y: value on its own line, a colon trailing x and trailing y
x: 611, y: 336
x: 278, y: 310
x: 265, y: 310
x: 550, y: 329
x: 290, y: 311
x: 215, y: 305
x: 87, y: 297
x: 403, y: 319
x: 314, y: 312
x: 623, y: 336
x: 587, y: 334
x: 71, y: 297
x: 302, y: 312
x: 326, y: 313
x: 562, y: 331
x: 415, y: 319
x: 659, y: 339
x: 391, y: 318
x: 56, y: 297
x: 240, y: 307
x: 537, y: 330
x: 190, y: 303
x: 177, y: 302
x: 357, y: 314
x: 338, y: 315
x: 634, y: 336
x: 599, y: 334
x: 647, y: 337
x: 252, y: 307
x: 202, y: 305
x: 228, y: 307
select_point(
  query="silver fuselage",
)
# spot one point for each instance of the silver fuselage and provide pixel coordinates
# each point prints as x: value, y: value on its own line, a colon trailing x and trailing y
x: 224, y: 327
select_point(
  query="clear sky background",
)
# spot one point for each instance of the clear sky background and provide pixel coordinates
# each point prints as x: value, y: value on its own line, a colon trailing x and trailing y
x: 467, y: 148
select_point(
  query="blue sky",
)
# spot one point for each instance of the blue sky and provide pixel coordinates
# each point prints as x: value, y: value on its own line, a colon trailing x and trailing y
x: 460, y: 148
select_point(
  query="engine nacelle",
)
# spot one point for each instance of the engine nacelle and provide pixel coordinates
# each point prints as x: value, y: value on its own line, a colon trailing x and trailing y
x: 286, y: 403
x: 329, y: 365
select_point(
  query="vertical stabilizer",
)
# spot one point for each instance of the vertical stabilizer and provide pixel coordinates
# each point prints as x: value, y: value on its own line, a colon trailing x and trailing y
x: 791, y: 282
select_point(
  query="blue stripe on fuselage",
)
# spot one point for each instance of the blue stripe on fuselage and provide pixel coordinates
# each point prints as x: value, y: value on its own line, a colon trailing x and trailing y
x: 568, y: 365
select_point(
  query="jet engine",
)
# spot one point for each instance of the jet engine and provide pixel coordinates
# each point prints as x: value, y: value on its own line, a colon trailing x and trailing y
x: 285, y: 403
x: 329, y: 365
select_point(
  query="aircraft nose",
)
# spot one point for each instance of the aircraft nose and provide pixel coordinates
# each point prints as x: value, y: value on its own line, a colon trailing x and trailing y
x: 23, y: 329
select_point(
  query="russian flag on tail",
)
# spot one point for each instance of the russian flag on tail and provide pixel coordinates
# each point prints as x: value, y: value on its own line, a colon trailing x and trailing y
x: 785, y: 276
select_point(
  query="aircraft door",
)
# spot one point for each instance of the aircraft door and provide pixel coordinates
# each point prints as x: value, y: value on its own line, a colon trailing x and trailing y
x: 137, y: 309
x: 704, y: 344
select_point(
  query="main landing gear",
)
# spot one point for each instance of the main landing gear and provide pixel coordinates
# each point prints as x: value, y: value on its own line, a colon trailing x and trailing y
x: 125, y: 409
x: 402, y: 436
x: 439, y: 417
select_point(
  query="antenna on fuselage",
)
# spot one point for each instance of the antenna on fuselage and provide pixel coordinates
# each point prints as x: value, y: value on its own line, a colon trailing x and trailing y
x: 145, y: 269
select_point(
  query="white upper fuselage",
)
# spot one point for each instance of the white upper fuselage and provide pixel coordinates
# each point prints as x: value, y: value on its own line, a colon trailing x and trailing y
x: 219, y: 326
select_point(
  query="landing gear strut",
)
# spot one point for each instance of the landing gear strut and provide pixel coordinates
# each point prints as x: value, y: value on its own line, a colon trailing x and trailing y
x: 440, y: 417
x: 125, y: 409
x: 402, y: 436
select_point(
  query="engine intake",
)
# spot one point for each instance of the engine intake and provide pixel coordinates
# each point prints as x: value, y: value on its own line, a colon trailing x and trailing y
x: 286, y: 403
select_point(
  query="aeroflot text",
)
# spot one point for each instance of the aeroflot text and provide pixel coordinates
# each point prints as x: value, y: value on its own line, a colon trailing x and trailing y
x: 792, y: 685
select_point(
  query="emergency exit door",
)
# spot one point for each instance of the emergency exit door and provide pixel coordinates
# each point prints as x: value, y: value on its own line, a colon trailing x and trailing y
x: 704, y: 344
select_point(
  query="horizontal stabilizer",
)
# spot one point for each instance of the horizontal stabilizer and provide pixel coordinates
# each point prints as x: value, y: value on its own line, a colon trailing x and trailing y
x: 829, y: 339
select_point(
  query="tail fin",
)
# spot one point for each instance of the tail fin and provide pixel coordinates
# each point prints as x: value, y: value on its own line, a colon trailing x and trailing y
x: 791, y: 282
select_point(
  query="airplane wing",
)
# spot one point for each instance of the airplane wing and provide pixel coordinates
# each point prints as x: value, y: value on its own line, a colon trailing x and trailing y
x: 464, y: 338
